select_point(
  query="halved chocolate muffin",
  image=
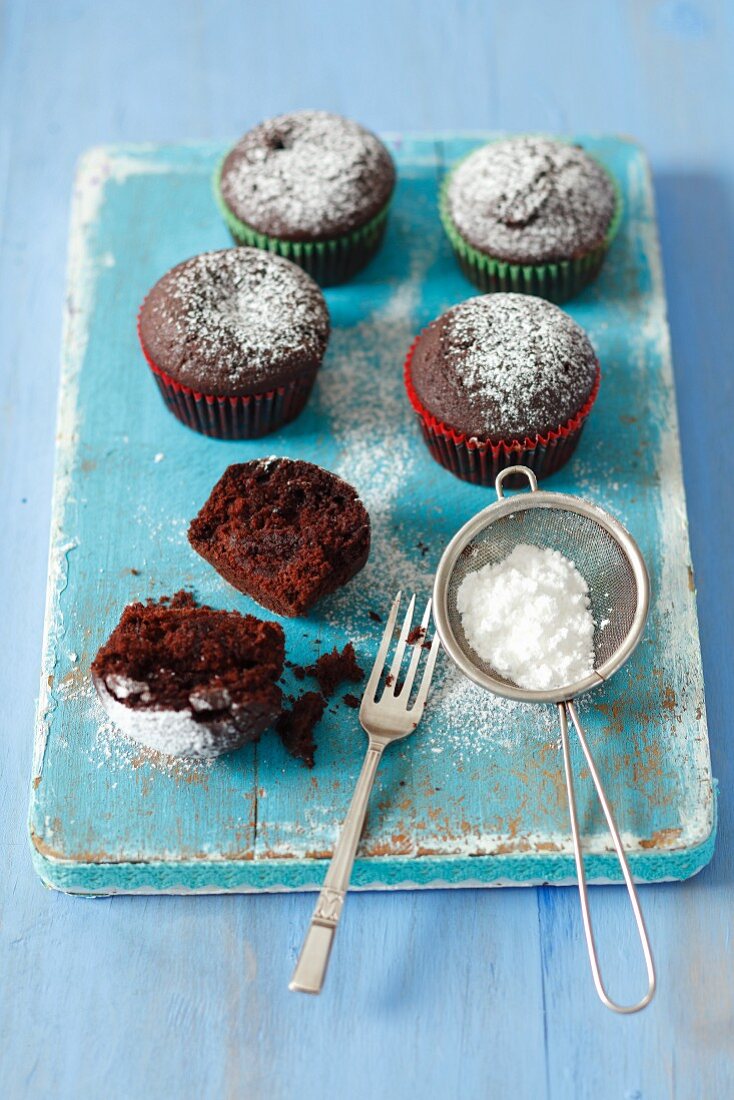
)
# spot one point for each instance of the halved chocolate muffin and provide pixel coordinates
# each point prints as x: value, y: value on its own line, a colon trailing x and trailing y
x: 285, y: 532
x: 190, y: 681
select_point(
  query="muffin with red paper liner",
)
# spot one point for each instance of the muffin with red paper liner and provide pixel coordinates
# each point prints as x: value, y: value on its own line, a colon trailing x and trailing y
x: 235, y: 340
x: 502, y: 380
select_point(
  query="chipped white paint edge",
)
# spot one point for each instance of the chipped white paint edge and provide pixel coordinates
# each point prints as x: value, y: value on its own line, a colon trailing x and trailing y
x: 673, y: 590
x: 376, y: 887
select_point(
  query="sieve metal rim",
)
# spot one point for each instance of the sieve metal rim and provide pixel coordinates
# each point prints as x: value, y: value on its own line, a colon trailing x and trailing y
x: 504, y: 506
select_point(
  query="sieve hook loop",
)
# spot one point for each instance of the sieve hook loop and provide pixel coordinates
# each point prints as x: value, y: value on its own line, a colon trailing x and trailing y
x: 523, y: 471
x: 563, y: 710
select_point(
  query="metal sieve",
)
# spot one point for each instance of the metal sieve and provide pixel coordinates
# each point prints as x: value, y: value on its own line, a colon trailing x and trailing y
x: 610, y: 561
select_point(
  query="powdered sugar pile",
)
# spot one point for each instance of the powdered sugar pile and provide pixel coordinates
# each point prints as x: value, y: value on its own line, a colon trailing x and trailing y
x: 525, y: 366
x: 307, y: 175
x: 226, y: 320
x: 529, y: 617
x: 531, y: 200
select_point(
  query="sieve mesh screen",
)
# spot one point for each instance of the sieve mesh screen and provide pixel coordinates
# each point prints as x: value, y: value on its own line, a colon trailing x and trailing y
x: 597, y: 555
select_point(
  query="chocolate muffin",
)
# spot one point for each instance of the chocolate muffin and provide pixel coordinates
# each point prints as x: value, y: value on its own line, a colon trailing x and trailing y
x: 530, y: 214
x: 311, y: 185
x: 285, y: 532
x: 235, y: 340
x: 500, y: 380
x: 190, y: 681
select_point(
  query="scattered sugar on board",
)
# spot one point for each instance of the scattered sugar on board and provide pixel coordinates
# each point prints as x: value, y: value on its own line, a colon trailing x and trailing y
x: 378, y: 447
x: 529, y: 617
x: 466, y: 720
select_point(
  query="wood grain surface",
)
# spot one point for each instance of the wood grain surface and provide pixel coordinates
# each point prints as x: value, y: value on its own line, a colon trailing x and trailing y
x: 477, y: 795
x: 439, y: 994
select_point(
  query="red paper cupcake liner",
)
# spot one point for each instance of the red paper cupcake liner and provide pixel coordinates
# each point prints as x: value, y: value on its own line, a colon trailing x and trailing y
x: 480, y: 460
x: 219, y: 417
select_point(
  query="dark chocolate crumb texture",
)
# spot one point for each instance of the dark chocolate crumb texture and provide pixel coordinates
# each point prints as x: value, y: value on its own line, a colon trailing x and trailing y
x: 235, y: 323
x: 307, y: 176
x: 285, y: 532
x: 188, y: 680
x: 504, y: 367
x: 296, y: 725
x: 335, y: 668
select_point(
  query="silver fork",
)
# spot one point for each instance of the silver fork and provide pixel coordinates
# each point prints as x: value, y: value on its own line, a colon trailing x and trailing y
x: 384, y: 720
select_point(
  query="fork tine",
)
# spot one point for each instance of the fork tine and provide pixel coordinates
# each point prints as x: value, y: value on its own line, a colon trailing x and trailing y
x: 371, y: 688
x: 416, y: 655
x: 400, y: 647
x: 420, y: 700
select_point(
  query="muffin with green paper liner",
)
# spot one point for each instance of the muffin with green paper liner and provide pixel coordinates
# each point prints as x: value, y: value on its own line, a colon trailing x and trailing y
x: 310, y: 186
x: 530, y: 215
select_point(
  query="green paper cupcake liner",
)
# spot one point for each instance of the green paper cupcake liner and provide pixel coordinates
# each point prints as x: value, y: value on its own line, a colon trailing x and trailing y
x: 555, y: 281
x: 328, y: 262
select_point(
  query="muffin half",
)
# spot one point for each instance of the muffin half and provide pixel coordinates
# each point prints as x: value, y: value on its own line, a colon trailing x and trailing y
x: 190, y: 681
x: 285, y: 532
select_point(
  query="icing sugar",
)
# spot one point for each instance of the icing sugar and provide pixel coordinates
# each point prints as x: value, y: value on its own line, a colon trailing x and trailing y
x: 529, y: 617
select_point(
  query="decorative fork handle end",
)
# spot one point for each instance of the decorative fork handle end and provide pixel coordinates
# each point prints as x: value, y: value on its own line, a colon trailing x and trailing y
x: 308, y: 977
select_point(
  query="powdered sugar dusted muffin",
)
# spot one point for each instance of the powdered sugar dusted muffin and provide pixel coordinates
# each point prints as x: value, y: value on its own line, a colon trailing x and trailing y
x: 190, y: 681
x: 235, y: 339
x: 530, y: 214
x: 500, y: 380
x: 311, y: 185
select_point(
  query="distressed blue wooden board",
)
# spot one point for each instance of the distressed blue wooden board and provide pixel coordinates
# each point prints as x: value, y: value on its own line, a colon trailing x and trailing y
x: 476, y: 797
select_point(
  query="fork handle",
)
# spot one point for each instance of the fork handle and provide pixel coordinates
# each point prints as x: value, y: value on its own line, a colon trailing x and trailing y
x: 308, y: 977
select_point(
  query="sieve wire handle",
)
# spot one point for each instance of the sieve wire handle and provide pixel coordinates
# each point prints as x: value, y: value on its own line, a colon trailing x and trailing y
x: 524, y: 471
x: 570, y: 707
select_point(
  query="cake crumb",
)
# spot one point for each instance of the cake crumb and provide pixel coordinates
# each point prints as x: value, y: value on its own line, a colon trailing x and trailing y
x: 333, y: 669
x: 351, y: 700
x: 296, y: 726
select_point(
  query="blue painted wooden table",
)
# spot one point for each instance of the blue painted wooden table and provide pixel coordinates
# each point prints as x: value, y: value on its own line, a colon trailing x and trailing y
x: 462, y: 993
